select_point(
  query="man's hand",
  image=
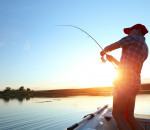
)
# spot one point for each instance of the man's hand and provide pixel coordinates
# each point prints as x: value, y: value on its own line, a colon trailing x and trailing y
x: 102, y: 53
x: 109, y: 57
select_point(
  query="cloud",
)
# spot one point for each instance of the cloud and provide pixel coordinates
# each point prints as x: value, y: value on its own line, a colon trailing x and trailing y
x: 27, y: 46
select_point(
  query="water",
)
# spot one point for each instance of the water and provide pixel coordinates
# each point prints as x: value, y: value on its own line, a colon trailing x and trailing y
x: 56, y: 113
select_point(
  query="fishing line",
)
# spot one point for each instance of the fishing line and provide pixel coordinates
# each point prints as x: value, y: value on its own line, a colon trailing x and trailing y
x: 102, y: 58
x: 84, y: 32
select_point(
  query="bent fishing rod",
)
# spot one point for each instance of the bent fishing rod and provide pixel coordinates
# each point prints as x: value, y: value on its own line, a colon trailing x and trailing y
x: 102, y: 58
x: 84, y: 32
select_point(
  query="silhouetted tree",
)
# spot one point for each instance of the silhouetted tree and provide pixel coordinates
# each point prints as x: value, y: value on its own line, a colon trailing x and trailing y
x: 28, y: 89
x: 7, y: 89
x: 21, y: 88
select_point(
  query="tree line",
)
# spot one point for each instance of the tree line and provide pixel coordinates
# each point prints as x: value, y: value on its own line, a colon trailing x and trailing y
x: 21, y: 89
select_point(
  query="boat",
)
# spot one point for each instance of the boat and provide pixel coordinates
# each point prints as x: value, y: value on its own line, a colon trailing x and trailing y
x: 102, y: 119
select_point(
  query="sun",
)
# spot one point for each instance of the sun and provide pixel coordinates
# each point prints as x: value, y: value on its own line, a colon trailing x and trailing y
x: 91, y: 73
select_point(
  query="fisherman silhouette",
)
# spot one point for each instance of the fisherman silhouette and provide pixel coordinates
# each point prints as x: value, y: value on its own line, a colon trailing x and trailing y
x: 126, y: 87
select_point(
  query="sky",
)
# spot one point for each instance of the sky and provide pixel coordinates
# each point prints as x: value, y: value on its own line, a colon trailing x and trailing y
x: 37, y: 54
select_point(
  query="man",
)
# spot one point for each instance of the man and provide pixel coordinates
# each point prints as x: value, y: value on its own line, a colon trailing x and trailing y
x: 134, y: 53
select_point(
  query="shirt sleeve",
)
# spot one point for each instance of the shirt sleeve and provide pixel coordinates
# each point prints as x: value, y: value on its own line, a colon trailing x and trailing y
x: 125, y: 41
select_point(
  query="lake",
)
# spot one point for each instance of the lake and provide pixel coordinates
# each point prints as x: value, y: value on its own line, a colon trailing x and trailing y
x: 56, y: 113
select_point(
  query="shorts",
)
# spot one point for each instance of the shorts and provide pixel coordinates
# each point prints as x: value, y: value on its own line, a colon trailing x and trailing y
x: 127, y: 86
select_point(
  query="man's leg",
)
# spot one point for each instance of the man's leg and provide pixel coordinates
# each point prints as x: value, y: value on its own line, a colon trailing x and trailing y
x: 130, y: 115
x: 119, y: 107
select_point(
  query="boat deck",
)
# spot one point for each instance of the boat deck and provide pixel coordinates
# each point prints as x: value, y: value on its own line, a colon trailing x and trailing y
x: 144, y: 120
x: 105, y: 121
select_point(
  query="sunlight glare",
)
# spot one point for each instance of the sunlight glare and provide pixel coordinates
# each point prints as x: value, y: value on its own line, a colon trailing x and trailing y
x: 92, y: 73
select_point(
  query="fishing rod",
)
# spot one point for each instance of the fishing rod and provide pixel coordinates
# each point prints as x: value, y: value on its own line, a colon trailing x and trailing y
x: 84, y: 32
x: 102, y: 58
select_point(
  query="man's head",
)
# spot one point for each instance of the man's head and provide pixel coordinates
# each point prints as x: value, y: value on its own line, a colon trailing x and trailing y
x: 138, y: 29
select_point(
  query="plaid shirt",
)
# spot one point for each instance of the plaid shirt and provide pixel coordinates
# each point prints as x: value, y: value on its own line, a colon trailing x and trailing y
x: 134, y: 53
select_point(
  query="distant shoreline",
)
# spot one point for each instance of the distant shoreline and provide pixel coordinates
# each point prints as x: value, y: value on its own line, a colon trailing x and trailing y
x: 95, y: 91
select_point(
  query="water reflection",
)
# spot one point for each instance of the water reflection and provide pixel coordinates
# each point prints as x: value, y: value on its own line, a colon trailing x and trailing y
x: 55, y: 113
x: 20, y: 99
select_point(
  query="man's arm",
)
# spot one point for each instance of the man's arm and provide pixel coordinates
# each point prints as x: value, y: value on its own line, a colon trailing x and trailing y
x: 109, y: 48
x: 112, y: 59
x: 112, y: 47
